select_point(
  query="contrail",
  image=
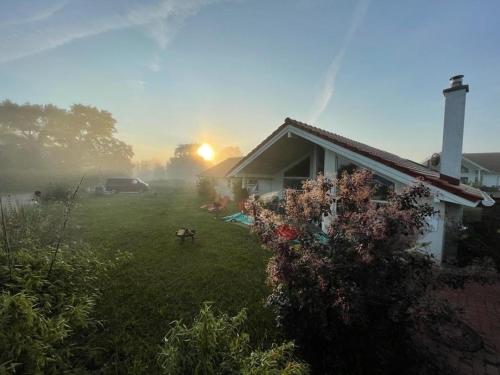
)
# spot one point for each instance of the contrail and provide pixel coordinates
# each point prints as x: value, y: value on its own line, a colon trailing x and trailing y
x: 334, y: 67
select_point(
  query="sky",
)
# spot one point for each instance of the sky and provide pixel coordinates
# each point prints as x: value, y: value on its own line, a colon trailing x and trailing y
x: 229, y: 72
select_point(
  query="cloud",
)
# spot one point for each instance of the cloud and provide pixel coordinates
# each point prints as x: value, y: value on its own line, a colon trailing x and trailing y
x: 155, y: 65
x: 328, y: 89
x: 18, y: 13
x: 23, y: 33
x: 136, y: 84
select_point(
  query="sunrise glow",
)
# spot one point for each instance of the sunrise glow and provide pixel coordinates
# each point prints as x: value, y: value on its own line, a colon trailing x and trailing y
x: 206, y: 151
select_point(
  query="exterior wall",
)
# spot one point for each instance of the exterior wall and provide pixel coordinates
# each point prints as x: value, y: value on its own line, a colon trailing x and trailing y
x: 453, y: 219
x: 277, y: 183
x: 491, y: 180
x: 433, y: 239
x: 258, y: 185
x: 265, y: 186
x: 453, y: 131
x: 471, y: 174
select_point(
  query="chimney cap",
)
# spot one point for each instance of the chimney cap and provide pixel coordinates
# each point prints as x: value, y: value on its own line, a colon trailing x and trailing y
x: 456, y: 84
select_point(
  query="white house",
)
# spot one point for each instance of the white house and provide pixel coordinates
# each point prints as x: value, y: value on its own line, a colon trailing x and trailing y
x: 296, y: 151
x: 478, y: 169
x: 217, y: 174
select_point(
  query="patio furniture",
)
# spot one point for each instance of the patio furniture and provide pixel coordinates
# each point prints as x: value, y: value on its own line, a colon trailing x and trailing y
x: 184, y: 233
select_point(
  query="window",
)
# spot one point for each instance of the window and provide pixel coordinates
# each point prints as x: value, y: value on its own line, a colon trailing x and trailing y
x: 465, y: 169
x: 301, y: 169
x: 382, y: 188
x: 252, y: 185
x: 464, y: 180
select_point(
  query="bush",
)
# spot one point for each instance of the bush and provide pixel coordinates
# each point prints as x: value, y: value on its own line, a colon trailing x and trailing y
x: 239, y: 192
x: 47, y: 299
x: 206, y: 189
x: 44, y: 320
x: 56, y: 193
x: 217, y: 345
x: 352, y: 302
x: 478, y: 242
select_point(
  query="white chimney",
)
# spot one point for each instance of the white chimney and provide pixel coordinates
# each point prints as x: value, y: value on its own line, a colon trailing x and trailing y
x: 453, y: 132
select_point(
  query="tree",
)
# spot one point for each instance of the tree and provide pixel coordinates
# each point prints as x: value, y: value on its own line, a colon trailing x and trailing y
x: 352, y: 299
x: 227, y: 152
x: 186, y: 164
x: 79, y: 140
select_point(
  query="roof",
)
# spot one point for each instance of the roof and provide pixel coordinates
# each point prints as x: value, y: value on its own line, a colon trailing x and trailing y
x: 488, y: 160
x: 406, y: 166
x: 221, y: 169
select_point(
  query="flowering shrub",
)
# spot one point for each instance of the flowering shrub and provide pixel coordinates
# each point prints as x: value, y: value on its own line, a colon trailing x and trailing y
x: 349, y: 302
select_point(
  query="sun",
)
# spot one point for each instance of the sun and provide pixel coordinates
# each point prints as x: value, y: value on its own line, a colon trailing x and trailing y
x: 206, y: 151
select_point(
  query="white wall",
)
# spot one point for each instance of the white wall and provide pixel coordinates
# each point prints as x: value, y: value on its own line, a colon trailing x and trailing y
x: 265, y: 186
x: 435, y: 234
x: 491, y: 180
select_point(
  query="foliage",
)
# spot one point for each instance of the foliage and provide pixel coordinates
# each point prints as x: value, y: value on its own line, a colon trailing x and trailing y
x: 239, y: 192
x: 217, y: 345
x: 47, y: 319
x: 349, y: 303
x: 55, y: 140
x: 149, y: 170
x: 206, y: 189
x: 186, y: 164
x: 480, y: 240
x: 35, y: 225
x: 227, y: 152
x: 51, y: 297
x: 56, y: 192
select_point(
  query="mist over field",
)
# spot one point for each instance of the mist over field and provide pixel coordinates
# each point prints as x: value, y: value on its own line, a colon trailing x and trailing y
x: 249, y: 187
x: 45, y: 144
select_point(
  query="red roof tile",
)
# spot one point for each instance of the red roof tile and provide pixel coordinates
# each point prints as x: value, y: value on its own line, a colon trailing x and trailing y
x: 221, y: 169
x: 403, y: 165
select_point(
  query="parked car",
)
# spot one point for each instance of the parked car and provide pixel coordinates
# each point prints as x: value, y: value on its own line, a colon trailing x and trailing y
x: 128, y: 185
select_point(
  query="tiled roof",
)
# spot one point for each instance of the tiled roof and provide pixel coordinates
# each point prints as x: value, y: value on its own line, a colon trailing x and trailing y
x: 403, y: 165
x: 221, y: 169
x: 488, y: 160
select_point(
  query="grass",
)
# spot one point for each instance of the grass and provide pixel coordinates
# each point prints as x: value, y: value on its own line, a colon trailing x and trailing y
x: 167, y: 280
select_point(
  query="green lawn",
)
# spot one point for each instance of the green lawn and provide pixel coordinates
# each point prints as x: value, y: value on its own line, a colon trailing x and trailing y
x: 167, y: 280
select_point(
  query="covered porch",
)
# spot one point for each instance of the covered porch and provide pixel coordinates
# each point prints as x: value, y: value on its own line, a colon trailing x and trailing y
x: 291, y: 159
x: 286, y: 159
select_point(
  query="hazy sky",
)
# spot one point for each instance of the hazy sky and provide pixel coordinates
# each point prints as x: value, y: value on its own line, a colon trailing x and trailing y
x: 229, y: 72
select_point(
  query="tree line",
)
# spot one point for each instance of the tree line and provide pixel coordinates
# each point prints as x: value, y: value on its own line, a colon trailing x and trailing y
x: 53, y: 140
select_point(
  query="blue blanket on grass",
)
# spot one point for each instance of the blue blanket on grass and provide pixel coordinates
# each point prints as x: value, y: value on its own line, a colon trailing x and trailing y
x: 239, y: 217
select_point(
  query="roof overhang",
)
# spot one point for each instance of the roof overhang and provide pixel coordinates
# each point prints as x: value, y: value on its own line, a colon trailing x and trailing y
x: 392, y: 172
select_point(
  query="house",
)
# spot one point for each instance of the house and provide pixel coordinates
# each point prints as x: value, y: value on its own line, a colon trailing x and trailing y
x: 478, y: 169
x: 217, y: 174
x: 296, y: 151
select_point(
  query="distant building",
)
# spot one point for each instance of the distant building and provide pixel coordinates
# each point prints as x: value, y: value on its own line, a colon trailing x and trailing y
x: 478, y: 169
x: 217, y: 174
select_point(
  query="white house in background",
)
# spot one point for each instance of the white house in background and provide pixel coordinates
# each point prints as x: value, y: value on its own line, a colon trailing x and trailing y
x: 296, y: 151
x: 478, y: 169
x: 217, y: 174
